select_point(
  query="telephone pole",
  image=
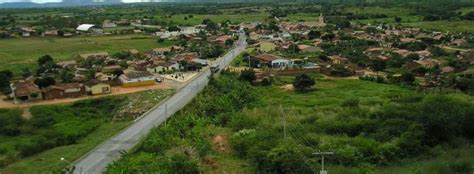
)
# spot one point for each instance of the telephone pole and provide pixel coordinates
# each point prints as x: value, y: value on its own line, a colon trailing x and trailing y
x: 283, y: 117
x: 322, y: 160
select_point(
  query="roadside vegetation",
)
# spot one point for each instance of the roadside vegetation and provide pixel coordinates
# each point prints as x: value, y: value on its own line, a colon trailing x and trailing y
x: 65, y: 131
x: 371, y: 127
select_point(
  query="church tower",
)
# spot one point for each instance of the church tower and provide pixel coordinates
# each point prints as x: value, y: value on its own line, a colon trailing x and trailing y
x: 321, y: 18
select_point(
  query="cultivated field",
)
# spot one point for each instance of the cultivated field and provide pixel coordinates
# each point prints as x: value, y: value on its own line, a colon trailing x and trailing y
x: 17, y: 53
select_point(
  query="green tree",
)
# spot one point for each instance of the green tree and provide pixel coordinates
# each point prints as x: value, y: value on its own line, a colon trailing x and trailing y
x: 173, y: 28
x: 229, y: 42
x: 248, y: 75
x: 26, y: 72
x: 43, y: 60
x: 398, y: 19
x: 314, y: 34
x: 407, y: 78
x: 45, y: 82
x: 183, y: 164
x: 413, y: 56
x: 303, y: 82
x: 5, y: 77
x: 328, y: 36
x: 66, y: 75
x: 377, y: 65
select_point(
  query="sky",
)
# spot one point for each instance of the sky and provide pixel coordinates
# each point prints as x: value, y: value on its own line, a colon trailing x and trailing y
x: 35, y: 1
x: 47, y: 1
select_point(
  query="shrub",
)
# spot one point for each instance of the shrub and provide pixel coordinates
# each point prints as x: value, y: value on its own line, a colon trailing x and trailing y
x: 303, y: 82
x: 248, y: 75
x: 354, y: 102
x: 182, y: 164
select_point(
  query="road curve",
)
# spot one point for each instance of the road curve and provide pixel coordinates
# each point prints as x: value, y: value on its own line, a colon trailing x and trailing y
x: 97, y: 160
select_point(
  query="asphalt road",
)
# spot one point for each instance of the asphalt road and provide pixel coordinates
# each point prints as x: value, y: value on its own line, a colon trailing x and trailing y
x: 97, y: 160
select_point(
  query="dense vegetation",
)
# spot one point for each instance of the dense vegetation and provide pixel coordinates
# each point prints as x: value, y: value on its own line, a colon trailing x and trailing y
x: 368, y: 125
x: 51, y: 126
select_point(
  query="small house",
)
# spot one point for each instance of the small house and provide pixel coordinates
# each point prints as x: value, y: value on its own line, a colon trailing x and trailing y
x: 96, y: 87
x: 137, y: 78
x: 25, y: 91
x: 27, y: 32
x: 338, y: 60
x: 308, y: 49
x: 65, y: 90
x: 162, y: 51
x: 163, y: 67
x: 271, y: 60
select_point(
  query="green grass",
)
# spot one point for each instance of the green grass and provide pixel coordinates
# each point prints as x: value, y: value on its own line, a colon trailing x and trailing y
x: 307, y: 115
x: 197, y: 19
x: 17, y: 53
x: 307, y: 17
x: 440, y: 162
x: 466, y: 10
x: 452, y: 26
x: 49, y: 160
x: 391, y: 12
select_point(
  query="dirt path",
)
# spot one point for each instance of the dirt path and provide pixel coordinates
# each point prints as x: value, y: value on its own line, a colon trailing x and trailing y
x: 117, y: 90
x: 349, y: 78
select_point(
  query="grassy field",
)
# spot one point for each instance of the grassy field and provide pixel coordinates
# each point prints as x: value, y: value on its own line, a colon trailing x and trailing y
x: 452, y: 26
x: 197, y: 19
x: 466, y: 10
x: 16, y: 53
x: 391, y: 12
x: 210, y: 127
x: 49, y: 160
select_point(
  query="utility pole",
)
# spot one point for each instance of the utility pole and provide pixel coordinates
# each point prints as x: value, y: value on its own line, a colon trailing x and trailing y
x: 248, y: 57
x: 166, y: 112
x: 322, y: 160
x: 283, y: 120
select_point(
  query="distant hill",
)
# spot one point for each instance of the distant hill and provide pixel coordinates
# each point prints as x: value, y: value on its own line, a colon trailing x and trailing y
x: 69, y: 3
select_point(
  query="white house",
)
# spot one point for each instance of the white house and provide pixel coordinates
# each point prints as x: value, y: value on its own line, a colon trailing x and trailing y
x: 137, y: 78
x: 280, y: 62
x: 163, y: 67
x: 274, y: 61
x: 189, y: 30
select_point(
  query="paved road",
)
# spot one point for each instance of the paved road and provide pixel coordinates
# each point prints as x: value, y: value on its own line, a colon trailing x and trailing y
x: 97, y: 160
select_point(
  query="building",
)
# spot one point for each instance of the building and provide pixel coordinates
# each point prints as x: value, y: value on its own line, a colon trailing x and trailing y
x: 27, y: 32
x: 338, y: 59
x: 271, y: 60
x: 308, y: 49
x: 88, y: 28
x: 162, y: 51
x: 221, y: 40
x: 65, y: 90
x: 108, y: 24
x: 137, y: 78
x: 96, y: 87
x: 189, y: 30
x: 25, y: 91
x: 163, y: 67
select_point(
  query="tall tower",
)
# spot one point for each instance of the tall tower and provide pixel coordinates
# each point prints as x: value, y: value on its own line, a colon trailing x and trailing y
x: 321, y: 18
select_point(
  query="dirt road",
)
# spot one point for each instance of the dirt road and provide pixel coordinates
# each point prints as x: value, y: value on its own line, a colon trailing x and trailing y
x: 116, y: 90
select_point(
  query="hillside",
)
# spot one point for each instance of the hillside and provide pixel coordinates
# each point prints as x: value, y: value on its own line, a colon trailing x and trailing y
x: 371, y: 127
